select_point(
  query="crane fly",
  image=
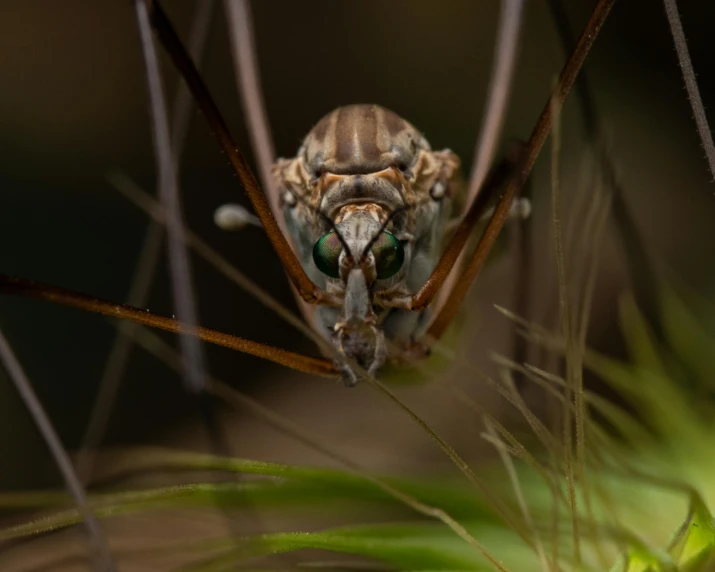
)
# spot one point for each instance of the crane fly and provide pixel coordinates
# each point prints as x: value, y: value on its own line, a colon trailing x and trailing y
x: 366, y: 204
x: 371, y: 224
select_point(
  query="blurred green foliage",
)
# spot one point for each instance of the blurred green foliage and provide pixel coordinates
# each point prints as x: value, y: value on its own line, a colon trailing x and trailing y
x: 644, y: 494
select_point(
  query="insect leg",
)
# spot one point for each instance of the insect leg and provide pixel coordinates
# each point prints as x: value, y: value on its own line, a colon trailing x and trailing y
x: 147, y: 264
x: 30, y: 289
x: 240, y: 29
x: 305, y: 286
x: 504, y: 60
x: 640, y: 265
x: 524, y: 165
x: 142, y: 200
x: 168, y: 186
x: 499, y: 89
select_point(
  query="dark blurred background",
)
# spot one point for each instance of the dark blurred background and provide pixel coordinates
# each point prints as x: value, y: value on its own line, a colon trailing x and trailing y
x: 73, y: 106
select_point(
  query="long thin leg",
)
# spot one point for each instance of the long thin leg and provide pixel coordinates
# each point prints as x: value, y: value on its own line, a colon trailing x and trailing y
x: 305, y: 286
x: 147, y: 263
x: 240, y: 30
x: 202, y: 17
x: 238, y: 15
x: 640, y: 266
x: 179, y: 264
x: 476, y: 212
x: 30, y: 289
x: 119, y: 353
x: 101, y: 554
x: 525, y: 164
x: 504, y: 60
x: 499, y: 89
x: 142, y: 200
x: 195, y: 365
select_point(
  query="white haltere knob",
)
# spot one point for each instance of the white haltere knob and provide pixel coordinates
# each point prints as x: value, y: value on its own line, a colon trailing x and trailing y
x: 234, y: 217
x: 521, y: 208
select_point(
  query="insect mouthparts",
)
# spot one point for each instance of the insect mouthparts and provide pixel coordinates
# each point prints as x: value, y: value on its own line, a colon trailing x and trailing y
x: 356, y: 333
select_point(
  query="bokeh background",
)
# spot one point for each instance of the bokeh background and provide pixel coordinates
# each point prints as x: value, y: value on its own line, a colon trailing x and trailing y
x: 73, y: 106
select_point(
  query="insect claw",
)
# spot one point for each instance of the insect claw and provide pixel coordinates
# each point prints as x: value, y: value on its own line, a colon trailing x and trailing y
x: 350, y: 379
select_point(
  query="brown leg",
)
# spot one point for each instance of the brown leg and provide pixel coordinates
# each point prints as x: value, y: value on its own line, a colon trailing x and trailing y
x: 182, y: 288
x: 516, y: 182
x: 476, y: 212
x: 30, y: 289
x: 639, y: 263
x: 305, y: 286
x: 148, y: 261
x: 240, y: 30
x: 511, y: 14
x: 504, y: 60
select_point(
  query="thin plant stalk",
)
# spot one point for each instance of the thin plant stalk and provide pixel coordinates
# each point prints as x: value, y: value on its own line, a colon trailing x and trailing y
x: 691, y: 83
x: 102, y: 556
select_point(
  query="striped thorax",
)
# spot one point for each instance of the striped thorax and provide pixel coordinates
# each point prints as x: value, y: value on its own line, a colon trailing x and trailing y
x: 367, y: 201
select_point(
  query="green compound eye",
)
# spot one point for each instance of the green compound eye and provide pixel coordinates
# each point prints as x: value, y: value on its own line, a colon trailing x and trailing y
x: 326, y: 254
x: 389, y: 255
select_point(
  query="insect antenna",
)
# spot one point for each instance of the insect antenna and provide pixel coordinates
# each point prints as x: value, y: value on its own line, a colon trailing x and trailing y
x: 375, y: 237
x: 326, y: 219
x: 384, y: 225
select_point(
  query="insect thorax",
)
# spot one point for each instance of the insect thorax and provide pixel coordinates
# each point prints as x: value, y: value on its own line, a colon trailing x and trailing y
x: 366, y: 169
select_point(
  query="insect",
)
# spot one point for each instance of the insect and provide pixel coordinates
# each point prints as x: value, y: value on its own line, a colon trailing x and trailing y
x: 362, y: 240
x: 366, y: 202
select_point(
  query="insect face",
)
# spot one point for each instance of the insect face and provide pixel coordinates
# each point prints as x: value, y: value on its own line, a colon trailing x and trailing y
x: 359, y: 255
x: 364, y: 198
